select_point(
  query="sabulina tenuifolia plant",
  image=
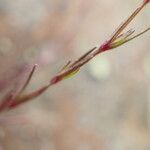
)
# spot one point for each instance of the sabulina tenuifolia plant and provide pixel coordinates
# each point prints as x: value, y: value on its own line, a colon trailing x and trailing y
x: 12, y: 100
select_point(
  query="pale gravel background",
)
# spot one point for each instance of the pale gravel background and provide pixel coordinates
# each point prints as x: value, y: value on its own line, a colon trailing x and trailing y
x: 106, y: 106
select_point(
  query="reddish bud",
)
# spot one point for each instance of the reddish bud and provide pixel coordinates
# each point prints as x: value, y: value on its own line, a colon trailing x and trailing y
x: 105, y: 46
x: 146, y: 1
x: 55, y: 79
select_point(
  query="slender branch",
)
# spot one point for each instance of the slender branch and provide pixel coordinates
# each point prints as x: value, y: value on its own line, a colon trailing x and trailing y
x: 124, y: 25
x: 117, y: 39
x: 28, y: 80
x: 137, y: 35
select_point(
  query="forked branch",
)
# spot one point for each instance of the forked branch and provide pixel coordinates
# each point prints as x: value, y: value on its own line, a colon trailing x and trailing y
x: 117, y: 39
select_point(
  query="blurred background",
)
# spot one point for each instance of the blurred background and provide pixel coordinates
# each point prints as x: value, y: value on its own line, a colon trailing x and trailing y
x: 106, y: 106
